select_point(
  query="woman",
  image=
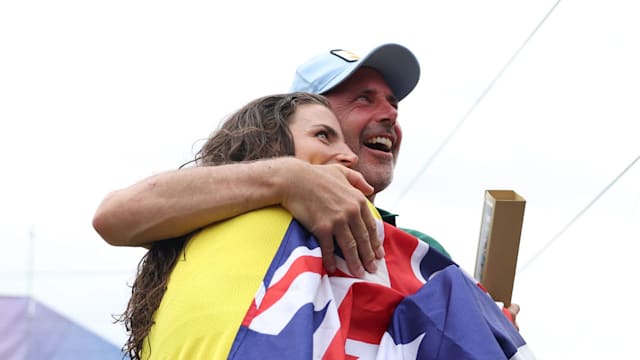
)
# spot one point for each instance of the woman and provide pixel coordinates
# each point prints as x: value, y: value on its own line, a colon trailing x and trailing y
x: 254, y: 286
x: 297, y: 124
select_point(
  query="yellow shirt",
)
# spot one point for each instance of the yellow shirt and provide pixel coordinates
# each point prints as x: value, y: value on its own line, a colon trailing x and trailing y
x: 213, y: 284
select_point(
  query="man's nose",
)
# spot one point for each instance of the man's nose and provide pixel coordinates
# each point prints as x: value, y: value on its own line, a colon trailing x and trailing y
x: 388, y: 113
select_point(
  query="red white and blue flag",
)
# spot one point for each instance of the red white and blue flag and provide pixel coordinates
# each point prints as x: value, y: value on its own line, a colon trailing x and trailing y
x: 419, y: 305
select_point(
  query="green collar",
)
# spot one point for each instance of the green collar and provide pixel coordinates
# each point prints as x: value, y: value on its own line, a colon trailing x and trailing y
x: 387, y: 217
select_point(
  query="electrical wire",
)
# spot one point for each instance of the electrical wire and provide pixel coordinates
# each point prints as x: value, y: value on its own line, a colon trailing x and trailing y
x: 475, y: 104
x: 575, y: 218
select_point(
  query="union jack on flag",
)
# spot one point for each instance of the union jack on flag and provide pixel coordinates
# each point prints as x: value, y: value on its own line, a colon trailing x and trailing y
x: 419, y: 305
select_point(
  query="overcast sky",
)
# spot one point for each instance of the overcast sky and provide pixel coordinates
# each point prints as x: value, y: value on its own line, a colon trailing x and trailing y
x: 97, y: 95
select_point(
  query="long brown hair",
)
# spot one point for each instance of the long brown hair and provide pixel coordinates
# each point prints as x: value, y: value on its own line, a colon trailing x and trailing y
x: 258, y: 130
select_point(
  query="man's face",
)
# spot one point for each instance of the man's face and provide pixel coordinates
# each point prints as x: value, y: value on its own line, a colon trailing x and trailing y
x: 368, y: 110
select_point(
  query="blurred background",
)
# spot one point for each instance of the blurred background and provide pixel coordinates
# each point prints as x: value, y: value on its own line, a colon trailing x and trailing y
x: 539, y: 97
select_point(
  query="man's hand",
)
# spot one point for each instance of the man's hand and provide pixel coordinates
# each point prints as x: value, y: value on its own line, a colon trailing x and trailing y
x: 511, y: 312
x: 331, y: 202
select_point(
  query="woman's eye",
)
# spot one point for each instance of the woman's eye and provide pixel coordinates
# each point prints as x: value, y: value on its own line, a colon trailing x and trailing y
x: 322, y: 135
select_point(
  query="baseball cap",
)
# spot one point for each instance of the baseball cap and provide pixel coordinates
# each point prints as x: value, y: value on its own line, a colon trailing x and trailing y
x: 397, y: 65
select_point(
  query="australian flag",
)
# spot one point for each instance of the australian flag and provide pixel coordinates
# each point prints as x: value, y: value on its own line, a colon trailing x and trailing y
x: 419, y: 305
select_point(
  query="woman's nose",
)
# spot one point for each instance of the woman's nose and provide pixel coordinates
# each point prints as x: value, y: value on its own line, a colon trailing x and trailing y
x: 347, y: 158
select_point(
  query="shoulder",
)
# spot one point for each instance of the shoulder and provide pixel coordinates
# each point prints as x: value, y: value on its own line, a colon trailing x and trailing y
x: 428, y: 239
x: 390, y: 218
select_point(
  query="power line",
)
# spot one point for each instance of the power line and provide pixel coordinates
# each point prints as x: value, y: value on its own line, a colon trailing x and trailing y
x: 484, y: 93
x: 575, y: 218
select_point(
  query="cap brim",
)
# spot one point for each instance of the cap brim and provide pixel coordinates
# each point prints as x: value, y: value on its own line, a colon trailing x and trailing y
x: 397, y: 65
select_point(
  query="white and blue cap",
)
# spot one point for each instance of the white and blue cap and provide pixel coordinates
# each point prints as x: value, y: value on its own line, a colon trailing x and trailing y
x: 397, y: 65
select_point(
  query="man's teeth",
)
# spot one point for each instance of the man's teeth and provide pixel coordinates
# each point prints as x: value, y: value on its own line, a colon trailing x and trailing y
x: 379, y: 140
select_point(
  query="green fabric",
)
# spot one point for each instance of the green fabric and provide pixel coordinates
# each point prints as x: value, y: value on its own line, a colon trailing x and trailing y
x: 428, y: 239
x: 391, y: 219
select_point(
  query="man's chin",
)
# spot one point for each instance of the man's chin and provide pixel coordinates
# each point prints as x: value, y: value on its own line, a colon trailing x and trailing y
x: 379, y: 178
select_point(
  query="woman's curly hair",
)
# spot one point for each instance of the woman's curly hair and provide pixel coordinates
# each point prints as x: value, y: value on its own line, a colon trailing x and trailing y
x: 258, y: 130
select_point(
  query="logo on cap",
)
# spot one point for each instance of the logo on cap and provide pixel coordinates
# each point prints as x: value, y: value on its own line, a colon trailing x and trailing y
x: 345, y: 55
